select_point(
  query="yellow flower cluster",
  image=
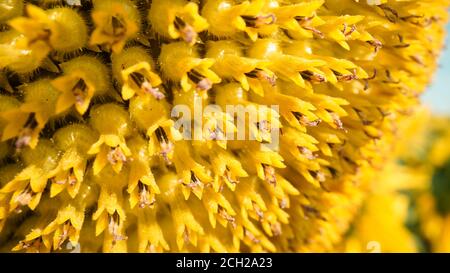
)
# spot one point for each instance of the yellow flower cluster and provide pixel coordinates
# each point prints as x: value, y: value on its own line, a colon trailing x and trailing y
x: 430, y: 202
x: 90, y: 154
x: 408, y: 209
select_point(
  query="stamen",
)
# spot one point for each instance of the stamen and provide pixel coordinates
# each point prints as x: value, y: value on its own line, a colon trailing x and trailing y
x: 216, y: 134
x: 334, y: 173
x: 264, y: 126
x: 143, y: 197
x: 69, y: 179
x: 64, y: 235
x: 304, y: 120
x: 223, y: 213
x: 350, y: 32
x: 138, y: 78
x: 187, y: 32
x: 194, y: 181
x: 320, y: 176
x: 80, y: 91
x: 24, y: 197
x: 276, y: 228
x: 362, y: 116
x: 258, y: 21
x: 116, y: 155
x: 312, y: 76
x: 307, y: 153
x: 366, y: 84
x: 418, y: 60
x: 345, y: 78
x: 315, y: 31
x: 303, y: 19
x: 33, y: 244
x: 262, y: 75
x: 186, y: 235
x: 151, y: 248
x: 311, y: 210
x: 203, y: 83
x: 147, y: 88
x: 337, y: 120
x: 269, y: 174
x: 228, y: 174
x: 251, y: 237
x: 376, y: 44
x: 166, y: 145
x: 258, y: 211
x: 113, y: 228
x: 390, y: 13
x: 142, y: 82
x: 24, y: 137
x: 390, y: 79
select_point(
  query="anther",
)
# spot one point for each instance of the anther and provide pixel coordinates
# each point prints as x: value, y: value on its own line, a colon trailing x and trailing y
x: 143, y: 197
x: 24, y: 137
x: 223, y: 213
x: 307, y: 153
x: 166, y: 145
x: 79, y: 91
x: 258, y: 21
x: 260, y: 74
x: 202, y: 83
x: 187, y: 32
x: 146, y: 86
x: 305, y: 121
x: 349, y: 32
x: 312, y: 76
x: 251, y: 237
x: 113, y: 228
x: 376, y: 44
x: 24, y: 197
x: 116, y: 155
x: 269, y: 174
x: 345, y: 78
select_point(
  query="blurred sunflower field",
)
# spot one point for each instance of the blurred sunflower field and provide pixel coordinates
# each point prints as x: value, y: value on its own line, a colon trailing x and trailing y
x: 408, y: 208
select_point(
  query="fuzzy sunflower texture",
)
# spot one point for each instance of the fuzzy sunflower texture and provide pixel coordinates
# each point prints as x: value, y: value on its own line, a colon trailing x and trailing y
x: 93, y: 156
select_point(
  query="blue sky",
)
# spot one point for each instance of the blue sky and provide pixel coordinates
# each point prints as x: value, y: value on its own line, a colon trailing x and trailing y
x: 438, y: 95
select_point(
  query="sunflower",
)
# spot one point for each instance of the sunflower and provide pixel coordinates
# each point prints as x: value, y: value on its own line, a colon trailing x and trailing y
x: 114, y: 154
